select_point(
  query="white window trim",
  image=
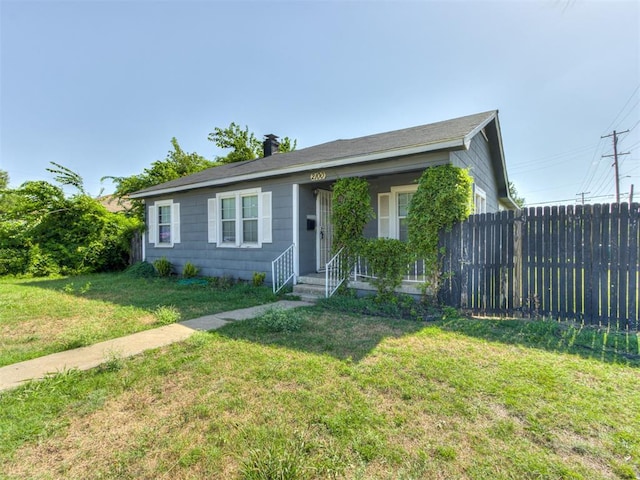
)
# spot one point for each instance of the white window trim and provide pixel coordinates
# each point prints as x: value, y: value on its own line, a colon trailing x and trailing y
x: 479, y: 200
x: 154, y: 226
x: 394, y: 223
x: 264, y: 218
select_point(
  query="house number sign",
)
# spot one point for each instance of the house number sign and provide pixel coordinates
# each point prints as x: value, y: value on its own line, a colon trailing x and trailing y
x: 315, y: 176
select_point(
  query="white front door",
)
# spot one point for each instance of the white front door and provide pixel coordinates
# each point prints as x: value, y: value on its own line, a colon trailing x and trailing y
x: 324, y: 228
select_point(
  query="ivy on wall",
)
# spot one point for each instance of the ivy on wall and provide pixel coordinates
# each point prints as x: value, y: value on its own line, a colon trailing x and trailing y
x: 444, y: 197
x: 352, y: 211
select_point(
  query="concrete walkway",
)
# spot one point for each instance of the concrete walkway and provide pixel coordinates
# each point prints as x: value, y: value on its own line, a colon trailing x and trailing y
x: 85, y: 358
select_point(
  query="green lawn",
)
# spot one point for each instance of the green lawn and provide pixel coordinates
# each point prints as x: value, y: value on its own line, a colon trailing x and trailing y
x: 346, y: 396
x: 43, y: 316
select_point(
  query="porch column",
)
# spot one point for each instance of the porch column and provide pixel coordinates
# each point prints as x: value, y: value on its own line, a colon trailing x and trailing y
x: 295, y: 198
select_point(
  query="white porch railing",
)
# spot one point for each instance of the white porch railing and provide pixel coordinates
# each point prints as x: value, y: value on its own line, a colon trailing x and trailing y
x: 415, y: 271
x: 336, y: 272
x: 282, y: 269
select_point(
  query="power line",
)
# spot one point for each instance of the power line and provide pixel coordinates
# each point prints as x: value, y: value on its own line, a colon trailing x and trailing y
x: 622, y: 109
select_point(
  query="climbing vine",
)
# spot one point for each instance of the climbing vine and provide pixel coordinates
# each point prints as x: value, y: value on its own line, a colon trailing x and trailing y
x: 351, y: 212
x: 444, y: 197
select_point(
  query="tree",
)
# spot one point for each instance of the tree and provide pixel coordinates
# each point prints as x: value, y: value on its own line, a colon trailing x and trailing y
x: 6, y: 197
x: 176, y: 164
x: 4, y: 179
x: 513, y: 192
x: 244, y: 144
x: 43, y: 232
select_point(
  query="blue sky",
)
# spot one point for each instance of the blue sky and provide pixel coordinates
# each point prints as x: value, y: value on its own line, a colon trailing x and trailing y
x: 102, y: 86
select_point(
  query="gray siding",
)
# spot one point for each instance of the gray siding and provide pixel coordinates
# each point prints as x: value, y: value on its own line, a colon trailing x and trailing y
x: 222, y: 261
x: 478, y: 160
x: 242, y: 262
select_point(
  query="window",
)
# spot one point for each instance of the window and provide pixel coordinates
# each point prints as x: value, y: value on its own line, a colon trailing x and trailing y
x: 250, y: 219
x: 240, y: 219
x: 228, y: 218
x: 479, y: 200
x: 164, y: 223
x: 393, y: 209
x: 404, y: 200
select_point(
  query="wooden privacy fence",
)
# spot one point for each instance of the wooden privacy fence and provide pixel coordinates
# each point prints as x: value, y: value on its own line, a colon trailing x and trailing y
x: 570, y: 262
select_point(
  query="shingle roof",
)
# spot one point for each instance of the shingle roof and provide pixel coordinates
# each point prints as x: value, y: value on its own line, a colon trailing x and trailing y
x: 435, y: 136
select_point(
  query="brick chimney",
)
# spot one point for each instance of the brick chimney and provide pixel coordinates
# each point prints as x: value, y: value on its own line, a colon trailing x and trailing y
x: 270, y: 145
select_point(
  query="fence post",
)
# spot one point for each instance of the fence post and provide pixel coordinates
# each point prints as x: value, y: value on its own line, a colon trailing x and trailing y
x: 517, y: 263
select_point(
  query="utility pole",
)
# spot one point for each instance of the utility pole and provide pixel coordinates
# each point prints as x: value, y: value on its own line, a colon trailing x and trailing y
x: 583, y: 194
x: 631, y: 195
x: 615, y: 160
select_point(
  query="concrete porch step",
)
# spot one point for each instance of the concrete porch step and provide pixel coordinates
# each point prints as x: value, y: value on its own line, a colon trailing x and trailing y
x: 312, y: 279
x: 309, y: 288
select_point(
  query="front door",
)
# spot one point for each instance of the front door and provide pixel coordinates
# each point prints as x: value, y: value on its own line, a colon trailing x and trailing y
x: 324, y: 228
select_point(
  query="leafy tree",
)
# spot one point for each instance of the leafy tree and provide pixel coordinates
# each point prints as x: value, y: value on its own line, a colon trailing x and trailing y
x: 519, y: 201
x: 44, y: 232
x: 64, y: 176
x: 6, y: 197
x: 244, y: 144
x: 177, y: 163
x: 4, y: 179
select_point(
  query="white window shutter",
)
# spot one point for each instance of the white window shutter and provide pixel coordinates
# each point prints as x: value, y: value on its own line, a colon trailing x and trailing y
x: 383, y: 215
x: 152, y: 225
x: 175, y: 223
x: 212, y: 218
x: 265, y: 218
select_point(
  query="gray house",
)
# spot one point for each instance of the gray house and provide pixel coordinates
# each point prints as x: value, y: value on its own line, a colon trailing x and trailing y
x: 238, y: 218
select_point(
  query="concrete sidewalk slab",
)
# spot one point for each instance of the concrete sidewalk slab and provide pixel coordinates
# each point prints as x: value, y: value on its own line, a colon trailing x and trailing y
x: 84, y: 358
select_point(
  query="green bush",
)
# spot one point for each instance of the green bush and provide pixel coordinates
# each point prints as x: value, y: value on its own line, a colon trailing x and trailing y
x: 163, y: 266
x: 13, y: 261
x: 141, y: 270
x: 41, y: 264
x: 280, y: 320
x: 388, y: 259
x: 258, y: 278
x: 189, y: 270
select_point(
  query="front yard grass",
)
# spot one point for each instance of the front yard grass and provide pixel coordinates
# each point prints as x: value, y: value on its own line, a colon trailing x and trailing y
x: 344, y: 396
x: 43, y: 316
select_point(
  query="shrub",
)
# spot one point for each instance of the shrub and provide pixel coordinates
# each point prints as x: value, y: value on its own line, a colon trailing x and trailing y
x: 388, y: 259
x: 258, y: 278
x: 166, y: 315
x: 163, y: 266
x: 189, y: 270
x: 278, y: 319
x: 141, y: 270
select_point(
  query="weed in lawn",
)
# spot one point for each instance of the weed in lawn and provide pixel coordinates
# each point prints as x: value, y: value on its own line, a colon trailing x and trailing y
x: 166, y: 314
x: 277, y: 319
x: 275, y: 456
